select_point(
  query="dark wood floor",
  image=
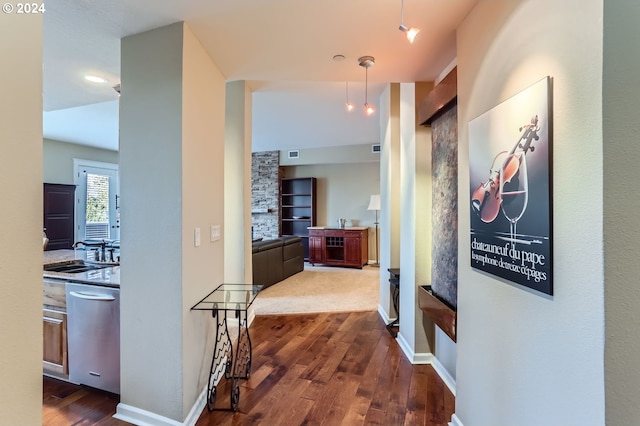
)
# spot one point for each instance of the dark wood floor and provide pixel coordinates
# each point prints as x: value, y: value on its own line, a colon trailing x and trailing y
x: 65, y: 404
x: 318, y: 369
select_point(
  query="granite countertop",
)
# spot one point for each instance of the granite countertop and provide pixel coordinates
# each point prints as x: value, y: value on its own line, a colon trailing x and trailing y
x: 109, y: 276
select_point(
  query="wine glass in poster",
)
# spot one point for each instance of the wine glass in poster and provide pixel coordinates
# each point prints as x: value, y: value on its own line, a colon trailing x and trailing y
x: 514, y: 190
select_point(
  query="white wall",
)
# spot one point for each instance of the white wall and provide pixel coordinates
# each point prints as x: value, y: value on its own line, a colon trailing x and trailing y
x: 58, y: 158
x: 423, y: 201
x: 329, y: 155
x: 237, y: 183
x: 21, y: 219
x: 203, y: 168
x: 343, y: 190
x: 171, y: 165
x: 621, y: 91
x: 389, y: 113
x: 523, y: 358
x: 412, y: 336
x: 151, y: 181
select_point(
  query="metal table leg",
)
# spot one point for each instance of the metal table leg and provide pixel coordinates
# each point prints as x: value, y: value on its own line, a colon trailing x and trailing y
x: 242, y: 362
x: 222, y: 350
x: 394, y: 280
x: 238, y: 359
x: 233, y: 360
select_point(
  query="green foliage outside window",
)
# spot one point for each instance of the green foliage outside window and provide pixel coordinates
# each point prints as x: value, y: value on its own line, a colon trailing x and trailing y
x: 97, y: 198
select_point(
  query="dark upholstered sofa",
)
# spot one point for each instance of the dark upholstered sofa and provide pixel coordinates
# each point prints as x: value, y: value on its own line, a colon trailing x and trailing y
x: 275, y: 260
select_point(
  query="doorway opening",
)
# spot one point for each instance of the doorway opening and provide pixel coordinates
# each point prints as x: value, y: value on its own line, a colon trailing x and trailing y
x: 97, y: 200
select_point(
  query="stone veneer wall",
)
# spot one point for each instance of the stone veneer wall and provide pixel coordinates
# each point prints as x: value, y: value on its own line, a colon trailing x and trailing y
x: 444, y: 267
x: 265, y: 190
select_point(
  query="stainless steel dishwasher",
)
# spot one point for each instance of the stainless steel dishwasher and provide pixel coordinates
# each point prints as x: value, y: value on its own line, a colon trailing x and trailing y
x: 93, y: 327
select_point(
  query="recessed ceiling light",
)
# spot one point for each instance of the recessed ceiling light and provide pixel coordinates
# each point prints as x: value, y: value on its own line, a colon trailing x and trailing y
x: 338, y: 58
x: 95, y: 79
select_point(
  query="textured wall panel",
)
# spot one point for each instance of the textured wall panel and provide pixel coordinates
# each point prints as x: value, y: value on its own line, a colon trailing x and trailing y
x: 444, y: 273
x: 265, y: 180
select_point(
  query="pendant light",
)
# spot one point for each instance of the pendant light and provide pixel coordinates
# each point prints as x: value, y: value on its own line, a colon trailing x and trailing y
x: 348, y: 105
x: 366, y: 62
x: 409, y: 32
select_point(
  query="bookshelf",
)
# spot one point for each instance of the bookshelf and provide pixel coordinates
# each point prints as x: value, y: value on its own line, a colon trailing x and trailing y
x: 298, y: 208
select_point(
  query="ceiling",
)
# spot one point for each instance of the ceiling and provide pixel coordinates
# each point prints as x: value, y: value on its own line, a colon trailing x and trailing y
x: 283, y: 48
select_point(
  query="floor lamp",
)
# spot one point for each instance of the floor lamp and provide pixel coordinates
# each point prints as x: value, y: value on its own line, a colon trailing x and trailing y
x: 374, y: 204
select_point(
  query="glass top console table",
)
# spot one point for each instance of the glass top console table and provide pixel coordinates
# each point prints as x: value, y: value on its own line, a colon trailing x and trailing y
x: 231, y: 359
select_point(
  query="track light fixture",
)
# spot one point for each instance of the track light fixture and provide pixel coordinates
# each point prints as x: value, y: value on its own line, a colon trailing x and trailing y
x: 409, y: 32
x: 366, y: 62
x: 348, y: 105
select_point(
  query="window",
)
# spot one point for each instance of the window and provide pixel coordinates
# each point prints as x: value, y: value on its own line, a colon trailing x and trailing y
x: 97, y: 200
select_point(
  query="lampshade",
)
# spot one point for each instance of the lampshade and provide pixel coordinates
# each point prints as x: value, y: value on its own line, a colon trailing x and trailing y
x: 374, y: 202
x: 369, y: 109
x: 410, y: 32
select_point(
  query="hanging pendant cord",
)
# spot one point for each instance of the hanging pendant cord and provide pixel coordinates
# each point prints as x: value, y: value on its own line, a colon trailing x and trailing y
x: 366, y: 85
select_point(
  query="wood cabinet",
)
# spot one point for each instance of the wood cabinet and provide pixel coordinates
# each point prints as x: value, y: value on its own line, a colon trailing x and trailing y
x: 339, y: 247
x: 54, y: 348
x: 58, y: 218
x: 55, y: 360
x: 298, y: 208
x: 316, y: 249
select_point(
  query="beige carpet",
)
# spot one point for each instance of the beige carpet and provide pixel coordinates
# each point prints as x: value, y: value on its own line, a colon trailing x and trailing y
x: 322, y: 289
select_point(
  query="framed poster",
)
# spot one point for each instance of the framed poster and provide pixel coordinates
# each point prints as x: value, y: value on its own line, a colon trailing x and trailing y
x: 510, y: 189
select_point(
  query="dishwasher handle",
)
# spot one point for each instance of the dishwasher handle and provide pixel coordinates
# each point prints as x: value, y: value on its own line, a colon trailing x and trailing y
x: 92, y: 296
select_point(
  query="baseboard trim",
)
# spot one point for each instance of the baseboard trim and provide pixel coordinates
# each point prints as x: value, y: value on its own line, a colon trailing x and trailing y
x: 413, y: 357
x: 455, y: 421
x: 196, y: 409
x: 422, y: 358
x: 140, y: 417
x: 444, y: 375
x: 427, y: 358
x: 137, y: 416
x: 384, y: 315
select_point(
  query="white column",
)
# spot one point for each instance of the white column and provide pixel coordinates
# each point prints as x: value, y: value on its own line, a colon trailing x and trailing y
x: 172, y: 169
x: 237, y: 183
x: 389, y: 194
x: 412, y: 336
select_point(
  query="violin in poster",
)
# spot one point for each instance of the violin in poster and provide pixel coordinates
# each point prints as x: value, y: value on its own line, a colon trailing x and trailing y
x: 487, y: 199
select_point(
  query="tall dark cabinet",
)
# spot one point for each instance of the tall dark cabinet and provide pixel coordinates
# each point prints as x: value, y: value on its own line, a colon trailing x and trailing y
x: 58, y: 203
x: 298, y: 208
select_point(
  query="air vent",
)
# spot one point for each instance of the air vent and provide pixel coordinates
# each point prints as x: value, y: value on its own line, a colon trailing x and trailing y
x: 375, y: 148
x: 294, y: 154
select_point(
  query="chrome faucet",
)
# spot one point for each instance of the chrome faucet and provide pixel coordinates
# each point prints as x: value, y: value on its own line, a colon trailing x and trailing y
x: 100, y: 251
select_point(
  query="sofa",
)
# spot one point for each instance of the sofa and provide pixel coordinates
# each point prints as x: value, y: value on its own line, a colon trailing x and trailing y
x: 277, y: 259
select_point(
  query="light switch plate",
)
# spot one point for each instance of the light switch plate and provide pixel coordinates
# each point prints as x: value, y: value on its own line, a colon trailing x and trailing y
x: 196, y: 237
x: 215, y: 233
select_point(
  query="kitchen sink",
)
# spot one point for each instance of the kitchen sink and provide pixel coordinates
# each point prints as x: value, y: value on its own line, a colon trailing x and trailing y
x: 77, y: 267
